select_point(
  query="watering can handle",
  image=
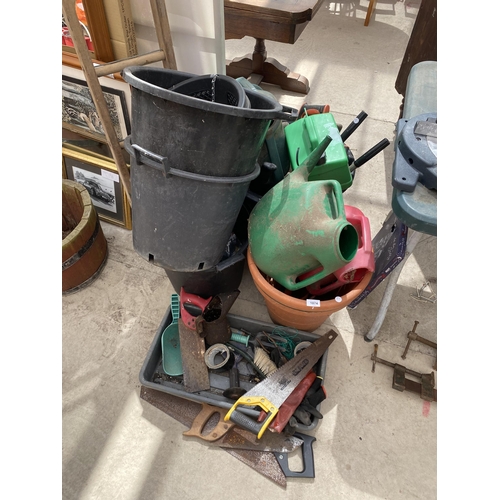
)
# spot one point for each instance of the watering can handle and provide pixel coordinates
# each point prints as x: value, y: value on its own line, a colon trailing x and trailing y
x: 293, y: 285
x: 317, y: 289
x: 365, y: 233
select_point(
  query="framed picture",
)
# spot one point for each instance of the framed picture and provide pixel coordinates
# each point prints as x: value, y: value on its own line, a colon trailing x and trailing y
x: 79, y: 113
x: 100, y: 176
x: 93, y: 20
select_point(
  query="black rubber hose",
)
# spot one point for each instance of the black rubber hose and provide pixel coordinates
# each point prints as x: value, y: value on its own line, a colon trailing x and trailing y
x: 245, y: 355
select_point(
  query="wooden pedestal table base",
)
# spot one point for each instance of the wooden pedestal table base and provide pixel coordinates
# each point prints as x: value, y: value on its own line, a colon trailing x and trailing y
x: 267, y: 70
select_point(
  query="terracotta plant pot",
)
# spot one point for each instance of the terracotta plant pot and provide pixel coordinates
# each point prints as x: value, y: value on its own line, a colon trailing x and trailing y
x: 84, y: 246
x: 292, y: 312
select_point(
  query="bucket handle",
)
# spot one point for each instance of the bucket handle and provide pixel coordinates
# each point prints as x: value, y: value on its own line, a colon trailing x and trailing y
x: 230, y: 261
x: 143, y: 156
x: 288, y: 114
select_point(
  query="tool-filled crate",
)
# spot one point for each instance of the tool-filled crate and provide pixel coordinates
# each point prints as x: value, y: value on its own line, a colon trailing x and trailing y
x: 250, y: 334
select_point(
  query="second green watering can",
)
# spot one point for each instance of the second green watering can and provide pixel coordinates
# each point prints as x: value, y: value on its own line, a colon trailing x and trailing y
x: 300, y: 225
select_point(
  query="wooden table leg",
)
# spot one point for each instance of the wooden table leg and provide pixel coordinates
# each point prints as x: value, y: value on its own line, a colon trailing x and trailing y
x: 272, y: 71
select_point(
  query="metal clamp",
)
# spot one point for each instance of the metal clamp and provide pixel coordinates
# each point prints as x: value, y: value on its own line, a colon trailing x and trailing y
x: 413, y: 336
x: 401, y: 383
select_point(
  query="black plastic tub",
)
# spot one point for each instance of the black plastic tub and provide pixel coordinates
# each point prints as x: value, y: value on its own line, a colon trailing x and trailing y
x: 192, y: 161
x: 224, y: 277
x: 152, y: 375
x: 194, y: 134
x: 182, y: 221
x: 227, y: 274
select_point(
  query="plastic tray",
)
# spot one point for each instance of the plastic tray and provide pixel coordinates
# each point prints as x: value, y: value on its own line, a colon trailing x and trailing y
x: 153, y: 376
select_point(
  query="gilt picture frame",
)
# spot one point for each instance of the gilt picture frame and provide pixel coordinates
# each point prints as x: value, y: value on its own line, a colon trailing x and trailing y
x: 100, y: 176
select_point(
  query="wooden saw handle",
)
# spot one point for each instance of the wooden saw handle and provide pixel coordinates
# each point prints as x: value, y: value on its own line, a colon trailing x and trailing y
x: 201, y: 420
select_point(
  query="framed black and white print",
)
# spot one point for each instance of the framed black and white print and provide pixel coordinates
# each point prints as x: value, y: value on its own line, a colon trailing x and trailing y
x: 79, y: 111
x: 100, y: 176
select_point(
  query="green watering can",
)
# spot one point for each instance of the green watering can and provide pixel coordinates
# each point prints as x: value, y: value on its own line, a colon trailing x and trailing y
x: 298, y: 226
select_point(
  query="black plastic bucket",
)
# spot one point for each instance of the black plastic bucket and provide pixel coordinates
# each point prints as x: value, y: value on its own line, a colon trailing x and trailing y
x: 182, y: 221
x: 222, y: 278
x: 192, y: 161
x: 227, y: 274
x: 194, y: 134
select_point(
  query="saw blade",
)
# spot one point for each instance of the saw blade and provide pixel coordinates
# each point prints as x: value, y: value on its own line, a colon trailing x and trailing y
x: 241, y: 439
x: 273, y: 391
x: 280, y: 384
x: 185, y: 411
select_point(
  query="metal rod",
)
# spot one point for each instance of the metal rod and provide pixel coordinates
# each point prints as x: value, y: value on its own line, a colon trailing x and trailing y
x: 393, y: 365
x: 375, y: 349
x: 418, y: 338
x: 410, y: 338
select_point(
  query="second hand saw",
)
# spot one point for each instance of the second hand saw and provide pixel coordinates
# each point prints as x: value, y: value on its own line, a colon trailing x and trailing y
x: 273, y: 391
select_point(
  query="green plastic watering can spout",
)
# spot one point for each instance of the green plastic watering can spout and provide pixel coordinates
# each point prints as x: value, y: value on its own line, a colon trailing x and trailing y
x: 312, y: 160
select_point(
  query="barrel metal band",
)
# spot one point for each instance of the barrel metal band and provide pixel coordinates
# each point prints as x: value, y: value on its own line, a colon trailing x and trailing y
x: 78, y: 255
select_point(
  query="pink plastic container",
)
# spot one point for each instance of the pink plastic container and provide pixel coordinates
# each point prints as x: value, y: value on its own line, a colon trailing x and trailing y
x: 66, y: 38
x: 355, y: 270
x: 68, y: 41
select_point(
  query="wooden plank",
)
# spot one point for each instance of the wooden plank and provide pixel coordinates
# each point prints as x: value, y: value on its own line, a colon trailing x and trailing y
x: 99, y: 31
x: 112, y: 67
x: 121, y: 28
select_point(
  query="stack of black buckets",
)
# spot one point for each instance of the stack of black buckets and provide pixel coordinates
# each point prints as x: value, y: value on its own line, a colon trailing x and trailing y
x: 194, y: 148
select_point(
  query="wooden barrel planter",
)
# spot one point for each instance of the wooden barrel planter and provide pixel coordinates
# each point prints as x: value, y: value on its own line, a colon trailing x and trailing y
x: 84, y: 247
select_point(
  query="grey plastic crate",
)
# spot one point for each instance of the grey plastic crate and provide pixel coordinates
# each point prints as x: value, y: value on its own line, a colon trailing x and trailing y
x: 153, y: 376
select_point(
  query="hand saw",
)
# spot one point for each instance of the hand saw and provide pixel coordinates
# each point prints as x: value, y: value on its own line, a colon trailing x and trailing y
x: 185, y: 411
x: 272, y: 392
x: 228, y: 435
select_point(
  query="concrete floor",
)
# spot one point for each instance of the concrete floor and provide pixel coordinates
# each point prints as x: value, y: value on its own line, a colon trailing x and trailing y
x: 373, y: 442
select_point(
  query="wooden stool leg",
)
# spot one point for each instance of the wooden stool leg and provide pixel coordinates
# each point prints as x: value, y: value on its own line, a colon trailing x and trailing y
x: 369, y: 13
